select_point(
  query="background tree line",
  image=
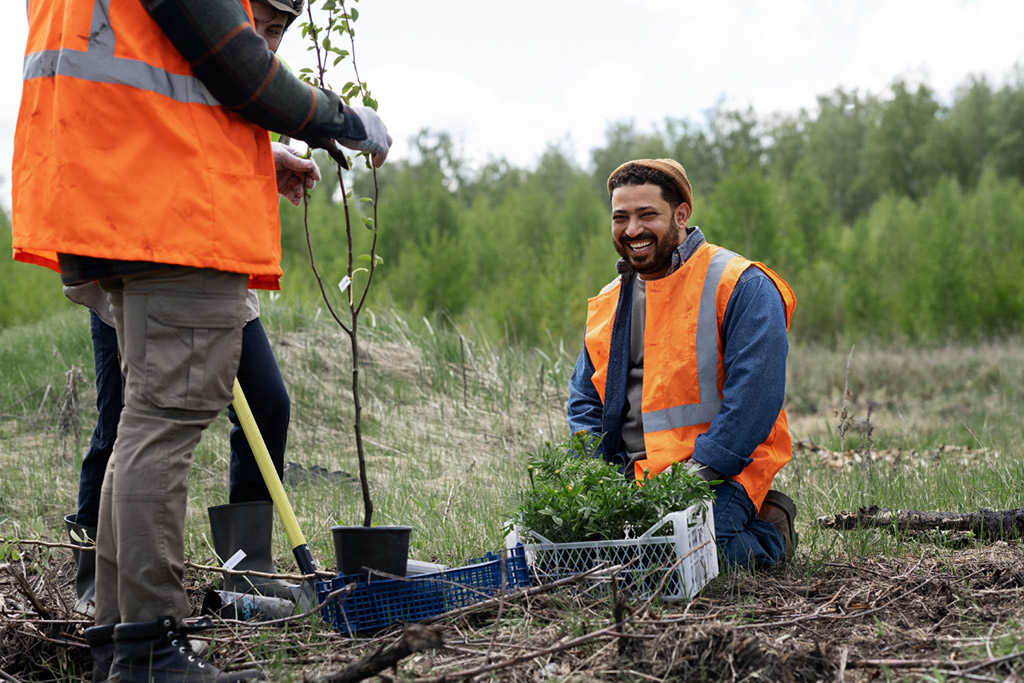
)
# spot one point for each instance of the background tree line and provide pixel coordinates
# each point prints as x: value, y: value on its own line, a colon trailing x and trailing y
x: 894, y: 216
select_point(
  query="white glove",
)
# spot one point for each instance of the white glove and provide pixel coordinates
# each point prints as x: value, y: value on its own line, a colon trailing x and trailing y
x: 294, y: 174
x: 377, y: 141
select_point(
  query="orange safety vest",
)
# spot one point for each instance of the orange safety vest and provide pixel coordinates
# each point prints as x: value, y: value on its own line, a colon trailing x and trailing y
x: 683, y: 366
x: 122, y: 153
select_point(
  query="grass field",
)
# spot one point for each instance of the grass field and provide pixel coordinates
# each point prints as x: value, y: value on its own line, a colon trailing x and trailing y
x: 448, y: 419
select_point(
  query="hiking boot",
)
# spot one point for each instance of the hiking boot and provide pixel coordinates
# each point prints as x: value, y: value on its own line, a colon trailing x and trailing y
x: 101, y: 646
x: 159, y: 651
x: 85, y: 564
x: 247, y: 527
x: 779, y: 509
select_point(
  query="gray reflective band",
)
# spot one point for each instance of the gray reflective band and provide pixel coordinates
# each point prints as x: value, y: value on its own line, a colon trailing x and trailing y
x: 101, y: 36
x: 681, y: 416
x: 707, y: 327
x: 129, y: 72
x: 707, y: 359
x: 99, y: 65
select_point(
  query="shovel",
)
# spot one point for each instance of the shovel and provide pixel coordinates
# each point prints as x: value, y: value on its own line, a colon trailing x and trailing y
x: 305, y: 594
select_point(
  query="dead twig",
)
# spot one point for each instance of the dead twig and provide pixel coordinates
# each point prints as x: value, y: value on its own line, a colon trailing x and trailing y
x: 295, y: 617
x: 517, y: 595
x: 263, y: 575
x: 69, y: 413
x: 932, y: 664
x: 607, y: 632
x: 23, y: 584
x: 992, y: 661
x: 51, y: 544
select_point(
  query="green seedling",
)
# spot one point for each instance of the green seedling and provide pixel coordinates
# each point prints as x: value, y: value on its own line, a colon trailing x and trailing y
x: 574, y: 495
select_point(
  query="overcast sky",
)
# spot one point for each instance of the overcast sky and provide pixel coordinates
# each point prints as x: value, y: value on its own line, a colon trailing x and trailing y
x: 508, y: 79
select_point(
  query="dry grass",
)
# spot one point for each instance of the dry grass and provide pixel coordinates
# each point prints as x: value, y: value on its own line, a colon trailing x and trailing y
x: 447, y: 426
x: 954, y: 395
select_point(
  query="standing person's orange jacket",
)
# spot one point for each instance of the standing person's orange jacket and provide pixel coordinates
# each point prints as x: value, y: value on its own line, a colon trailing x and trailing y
x: 121, y: 152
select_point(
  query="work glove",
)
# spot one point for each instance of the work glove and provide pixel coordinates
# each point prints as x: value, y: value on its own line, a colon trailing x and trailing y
x: 337, y: 125
x: 377, y: 141
x: 703, y: 471
x: 294, y: 173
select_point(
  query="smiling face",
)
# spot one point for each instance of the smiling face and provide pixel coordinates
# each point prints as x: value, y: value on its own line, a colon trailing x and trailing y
x: 646, y: 229
x: 269, y: 23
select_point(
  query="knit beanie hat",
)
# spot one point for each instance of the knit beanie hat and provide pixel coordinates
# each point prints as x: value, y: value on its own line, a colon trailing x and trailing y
x: 669, y: 167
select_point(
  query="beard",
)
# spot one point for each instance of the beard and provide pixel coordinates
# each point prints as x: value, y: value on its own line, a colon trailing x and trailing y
x: 651, y: 262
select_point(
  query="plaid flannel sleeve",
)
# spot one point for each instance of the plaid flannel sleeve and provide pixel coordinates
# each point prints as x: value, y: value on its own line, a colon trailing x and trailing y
x: 238, y: 69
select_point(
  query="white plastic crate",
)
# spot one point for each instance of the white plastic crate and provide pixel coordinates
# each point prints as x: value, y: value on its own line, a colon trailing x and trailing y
x: 676, y: 557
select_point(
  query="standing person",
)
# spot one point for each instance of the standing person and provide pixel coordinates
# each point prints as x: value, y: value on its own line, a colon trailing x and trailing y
x: 246, y: 521
x: 684, y: 360
x: 142, y: 161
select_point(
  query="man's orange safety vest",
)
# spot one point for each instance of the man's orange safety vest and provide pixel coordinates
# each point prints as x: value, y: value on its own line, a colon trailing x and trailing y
x: 122, y: 153
x: 683, y: 366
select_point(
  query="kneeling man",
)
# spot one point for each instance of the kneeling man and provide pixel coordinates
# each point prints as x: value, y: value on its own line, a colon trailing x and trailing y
x: 684, y: 361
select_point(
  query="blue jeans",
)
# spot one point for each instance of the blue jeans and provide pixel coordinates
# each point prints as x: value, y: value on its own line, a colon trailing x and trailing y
x: 264, y: 389
x: 108, y: 403
x: 743, y: 540
x: 261, y: 382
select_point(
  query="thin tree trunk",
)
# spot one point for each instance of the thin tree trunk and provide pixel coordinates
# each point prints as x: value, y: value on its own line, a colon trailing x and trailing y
x: 358, y: 423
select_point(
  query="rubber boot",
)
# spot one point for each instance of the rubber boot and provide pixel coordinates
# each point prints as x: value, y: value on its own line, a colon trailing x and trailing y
x: 780, y: 510
x: 247, y: 527
x: 159, y: 651
x: 85, y: 564
x: 101, y: 645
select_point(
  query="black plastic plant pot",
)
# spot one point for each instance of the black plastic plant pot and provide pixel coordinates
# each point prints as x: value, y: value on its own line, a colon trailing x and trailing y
x: 381, y: 548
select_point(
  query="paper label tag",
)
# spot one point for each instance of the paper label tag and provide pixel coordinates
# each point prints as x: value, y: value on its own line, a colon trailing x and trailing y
x: 233, y: 561
x: 345, y: 282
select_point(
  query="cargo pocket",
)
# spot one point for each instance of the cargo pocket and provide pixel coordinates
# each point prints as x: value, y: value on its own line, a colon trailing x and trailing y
x: 193, y: 346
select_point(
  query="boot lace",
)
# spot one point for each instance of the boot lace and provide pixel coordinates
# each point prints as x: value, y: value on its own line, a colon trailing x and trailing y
x: 180, y: 641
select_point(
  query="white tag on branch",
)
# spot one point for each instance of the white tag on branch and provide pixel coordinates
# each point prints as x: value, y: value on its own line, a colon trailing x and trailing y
x: 233, y: 561
x: 345, y: 282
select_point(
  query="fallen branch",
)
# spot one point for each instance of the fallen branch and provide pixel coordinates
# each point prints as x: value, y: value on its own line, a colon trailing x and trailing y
x: 320, y: 574
x: 51, y: 544
x: 989, y: 524
x: 610, y: 632
x: 414, y: 638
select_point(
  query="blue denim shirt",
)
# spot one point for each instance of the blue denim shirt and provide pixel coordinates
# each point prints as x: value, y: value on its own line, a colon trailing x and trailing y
x: 755, y: 348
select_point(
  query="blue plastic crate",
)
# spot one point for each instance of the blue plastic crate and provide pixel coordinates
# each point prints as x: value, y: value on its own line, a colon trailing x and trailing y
x: 374, y: 603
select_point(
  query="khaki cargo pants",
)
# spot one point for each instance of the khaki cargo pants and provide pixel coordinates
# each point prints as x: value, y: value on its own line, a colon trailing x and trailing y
x: 180, y: 336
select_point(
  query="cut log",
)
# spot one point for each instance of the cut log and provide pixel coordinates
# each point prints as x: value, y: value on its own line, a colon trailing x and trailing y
x: 989, y: 524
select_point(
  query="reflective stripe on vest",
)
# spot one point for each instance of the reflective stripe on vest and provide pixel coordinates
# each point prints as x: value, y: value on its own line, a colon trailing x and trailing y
x: 105, y: 68
x: 707, y: 359
x: 98, y: 64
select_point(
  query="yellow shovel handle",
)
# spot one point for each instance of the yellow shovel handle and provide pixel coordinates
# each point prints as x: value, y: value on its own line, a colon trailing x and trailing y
x: 259, y: 449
